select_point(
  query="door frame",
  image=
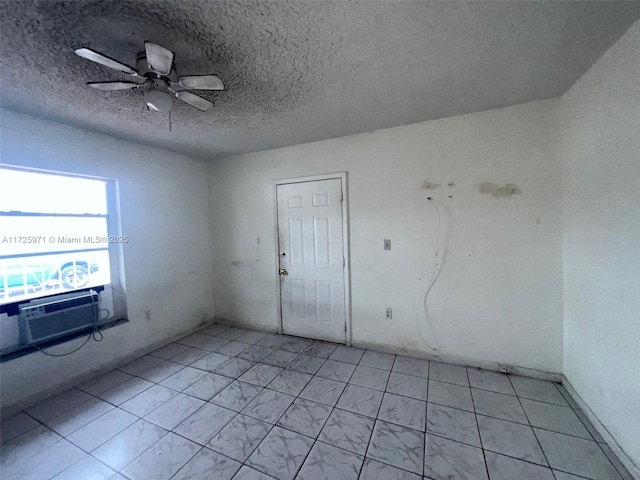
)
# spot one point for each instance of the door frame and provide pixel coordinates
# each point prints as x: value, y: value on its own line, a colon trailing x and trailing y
x: 346, y: 271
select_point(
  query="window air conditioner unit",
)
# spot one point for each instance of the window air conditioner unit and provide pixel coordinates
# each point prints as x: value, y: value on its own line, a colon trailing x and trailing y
x: 50, y: 318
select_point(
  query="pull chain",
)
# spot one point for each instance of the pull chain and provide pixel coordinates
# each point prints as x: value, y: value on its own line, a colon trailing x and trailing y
x: 169, y: 120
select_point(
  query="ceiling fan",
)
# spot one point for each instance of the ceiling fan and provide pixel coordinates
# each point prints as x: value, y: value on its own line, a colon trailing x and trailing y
x: 156, y: 72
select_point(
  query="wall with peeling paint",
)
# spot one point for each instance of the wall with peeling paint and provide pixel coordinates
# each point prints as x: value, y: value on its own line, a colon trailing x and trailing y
x: 167, y: 259
x: 499, y: 295
x: 599, y: 121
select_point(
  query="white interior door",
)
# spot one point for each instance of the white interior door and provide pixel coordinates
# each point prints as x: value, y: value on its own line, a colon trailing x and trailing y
x: 311, y: 259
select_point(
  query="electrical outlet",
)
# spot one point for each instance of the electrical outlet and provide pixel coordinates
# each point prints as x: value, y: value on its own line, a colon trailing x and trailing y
x: 147, y: 315
x: 388, y: 313
x: 387, y: 244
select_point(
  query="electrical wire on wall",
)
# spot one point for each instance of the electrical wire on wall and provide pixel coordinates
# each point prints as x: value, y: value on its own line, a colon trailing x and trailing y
x: 436, y: 270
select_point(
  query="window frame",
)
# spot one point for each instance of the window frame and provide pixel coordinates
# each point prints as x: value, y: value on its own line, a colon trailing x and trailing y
x: 118, y: 314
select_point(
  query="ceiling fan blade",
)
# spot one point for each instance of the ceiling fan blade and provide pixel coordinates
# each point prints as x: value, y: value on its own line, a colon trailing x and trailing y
x: 195, y: 101
x: 159, y: 59
x: 202, y: 82
x: 106, y: 61
x: 108, y: 86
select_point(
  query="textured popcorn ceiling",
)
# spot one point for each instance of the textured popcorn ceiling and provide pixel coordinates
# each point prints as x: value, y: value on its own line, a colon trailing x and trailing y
x: 299, y: 71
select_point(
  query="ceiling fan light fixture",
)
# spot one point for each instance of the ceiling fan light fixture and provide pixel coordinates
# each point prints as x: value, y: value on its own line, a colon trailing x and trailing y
x: 158, y: 101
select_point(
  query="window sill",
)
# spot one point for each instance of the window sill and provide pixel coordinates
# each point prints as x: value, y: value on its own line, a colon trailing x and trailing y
x: 18, y: 351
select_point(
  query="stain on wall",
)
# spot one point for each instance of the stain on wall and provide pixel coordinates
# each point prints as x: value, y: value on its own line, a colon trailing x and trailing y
x: 495, y: 190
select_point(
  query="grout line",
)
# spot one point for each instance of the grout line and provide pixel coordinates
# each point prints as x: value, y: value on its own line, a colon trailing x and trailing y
x: 475, y: 416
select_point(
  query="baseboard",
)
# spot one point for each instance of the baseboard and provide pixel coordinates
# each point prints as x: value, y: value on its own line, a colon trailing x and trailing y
x: 27, y: 402
x: 605, y: 435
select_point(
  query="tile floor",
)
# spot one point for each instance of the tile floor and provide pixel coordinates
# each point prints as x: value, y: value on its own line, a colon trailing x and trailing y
x: 231, y: 403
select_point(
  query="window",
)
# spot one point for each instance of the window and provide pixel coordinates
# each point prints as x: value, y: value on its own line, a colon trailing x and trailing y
x: 58, y: 234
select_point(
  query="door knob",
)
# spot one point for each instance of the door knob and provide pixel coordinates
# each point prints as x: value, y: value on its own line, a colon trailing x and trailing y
x: 282, y: 254
x: 283, y: 272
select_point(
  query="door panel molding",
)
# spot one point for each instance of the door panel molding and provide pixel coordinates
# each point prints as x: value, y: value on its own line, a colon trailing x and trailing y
x: 343, y: 176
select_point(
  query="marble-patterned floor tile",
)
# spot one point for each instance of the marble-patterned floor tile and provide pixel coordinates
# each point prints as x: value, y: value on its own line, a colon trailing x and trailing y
x: 128, y: 389
x: 507, y: 468
x: 498, y: 405
x: 215, y: 329
x: 73, y: 420
x: 407, y: 385
x: 326, y: 462
x: 62, y: 403
x: 268, y: 405
x: 160, y: 372
x: 236, y: 396
x: 204, y: 423
x: 447, y: 372
x: 248, y: 473
x: 240, y: 437
x: 281, y: 453
x: 383, y: 361
x: 46, y: 463
x: 183, y: 379
x: 129, y: 443
x: 213, y: 343
x: 488, y: 380
x: 320, y: 349
x: 445, y: 459
x: 290, y: 381
x: 104, y: 382
x: 169, y: 351
x: 411, y: 366
x: 148, y: 400
x: 272, y: 340
x: 193, y: 340
x: 26, y: 445
x: 295, y: 345
x: 305, y: 417
x: 453, y: 424
x: 15, y: 426
x: 139, y: 365
x: 255, y: 353
x: 554, y: 417
x: 279, y: 358
x: 362, y: 400
x: 306, y: 364
x: 404, y: 411
x: 208, y: 386
x: 232, y: 333
x: 576, y: 455
x: 374, y: 470
x: 102, y: 429
x: 566, y: 476
x: 171, y: 413
x: 335, y: 370
x: 87, y: 468
x: 535, y: 389
x: 211, y: 362
x: 323, y: 390
x: 234, y: 367
x: 397, y: 446
x: 347, y: 354
x: 450, y: 395
x: 370, y: 377
x: 252, y: 337
x: 348, y: 431
x: 208, y: 464
x: 233, y: 348
x: 260, y: 374
x: 163, y: 459
x: 508, y: 438
x: 189, y: 356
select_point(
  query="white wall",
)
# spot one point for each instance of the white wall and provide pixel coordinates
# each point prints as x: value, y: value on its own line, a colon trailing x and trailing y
x: 167, y: 260
x: 499, y: 296
x: 600, y: 127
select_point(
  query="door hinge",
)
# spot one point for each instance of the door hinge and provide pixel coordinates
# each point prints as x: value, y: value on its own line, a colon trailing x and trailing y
x: 344, y: 262
x: 341, y: 196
